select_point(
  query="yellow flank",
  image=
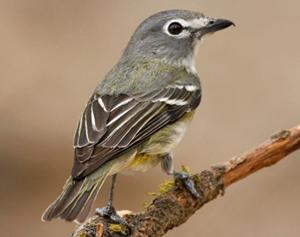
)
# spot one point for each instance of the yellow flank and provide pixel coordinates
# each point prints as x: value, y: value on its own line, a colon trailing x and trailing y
x: 142, y: 162
x: 149, y: 154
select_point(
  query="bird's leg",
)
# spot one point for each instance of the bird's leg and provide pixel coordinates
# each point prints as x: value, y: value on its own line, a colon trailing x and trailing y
x: 168, y: 167
x: 109, y: 211
x: 111, y: 191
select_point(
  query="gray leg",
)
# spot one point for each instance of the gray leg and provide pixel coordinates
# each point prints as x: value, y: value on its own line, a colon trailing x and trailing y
x: 167, y: 164
x: 168, y: 167
x: 111, y: 191
x: 109, y: 211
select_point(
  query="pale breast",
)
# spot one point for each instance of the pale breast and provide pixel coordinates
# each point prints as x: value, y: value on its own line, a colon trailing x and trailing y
x: 166, y: 139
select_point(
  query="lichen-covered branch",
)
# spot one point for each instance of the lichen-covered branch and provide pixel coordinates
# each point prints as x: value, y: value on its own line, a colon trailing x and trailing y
x: 173, y: 207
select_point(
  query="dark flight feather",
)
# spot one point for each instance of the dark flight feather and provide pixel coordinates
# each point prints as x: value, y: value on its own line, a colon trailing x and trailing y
x: 111, y: 124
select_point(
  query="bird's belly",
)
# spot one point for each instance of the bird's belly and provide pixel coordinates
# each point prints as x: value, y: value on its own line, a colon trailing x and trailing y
x: 162, y: 142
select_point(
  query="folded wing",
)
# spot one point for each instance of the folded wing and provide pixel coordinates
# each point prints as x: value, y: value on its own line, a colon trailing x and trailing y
x: 111, y: 125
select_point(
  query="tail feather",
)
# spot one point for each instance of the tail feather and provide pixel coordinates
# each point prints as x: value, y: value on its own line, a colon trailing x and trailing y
x: 73, y: 210
x: 79, y: 208
x: 76, y: 200
x: 88, y: 206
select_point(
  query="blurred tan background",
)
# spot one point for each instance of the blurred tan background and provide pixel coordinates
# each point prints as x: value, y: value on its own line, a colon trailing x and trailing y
x: 54, y: 52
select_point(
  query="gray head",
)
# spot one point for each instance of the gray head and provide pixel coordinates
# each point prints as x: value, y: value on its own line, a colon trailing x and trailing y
x: 172, y: 35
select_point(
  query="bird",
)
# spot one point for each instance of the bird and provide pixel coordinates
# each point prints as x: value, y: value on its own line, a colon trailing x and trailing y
x: 139, y: 113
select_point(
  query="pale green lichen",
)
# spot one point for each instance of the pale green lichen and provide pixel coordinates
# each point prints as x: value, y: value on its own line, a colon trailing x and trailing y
x: 118, y: 228
x: 164, y: 187
x: 186, y: 169
x: 146, y: 204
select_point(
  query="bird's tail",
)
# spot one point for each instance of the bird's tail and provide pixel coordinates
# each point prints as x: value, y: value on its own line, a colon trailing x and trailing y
x: 77, y: 198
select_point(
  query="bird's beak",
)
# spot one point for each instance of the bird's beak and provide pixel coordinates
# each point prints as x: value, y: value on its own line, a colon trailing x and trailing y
x: 216, y: 25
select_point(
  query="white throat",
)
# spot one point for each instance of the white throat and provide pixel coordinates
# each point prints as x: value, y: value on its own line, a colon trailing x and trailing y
x: 189, y: 62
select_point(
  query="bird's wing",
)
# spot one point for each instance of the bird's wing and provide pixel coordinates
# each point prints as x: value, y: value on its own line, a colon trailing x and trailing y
x: 111, y: 125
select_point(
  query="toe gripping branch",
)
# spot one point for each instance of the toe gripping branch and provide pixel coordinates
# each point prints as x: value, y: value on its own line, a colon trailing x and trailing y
x: 188, y: 183
x: 198, y: 184
x: 110, y: 213
x: 113, y: 222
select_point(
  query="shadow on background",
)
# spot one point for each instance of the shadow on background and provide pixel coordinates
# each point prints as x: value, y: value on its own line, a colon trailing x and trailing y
x: 53, y: 53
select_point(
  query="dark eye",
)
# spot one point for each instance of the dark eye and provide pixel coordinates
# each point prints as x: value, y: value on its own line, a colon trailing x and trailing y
x: 175, y: 28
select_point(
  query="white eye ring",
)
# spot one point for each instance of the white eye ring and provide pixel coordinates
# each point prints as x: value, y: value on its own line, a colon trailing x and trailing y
x: 183, y: 34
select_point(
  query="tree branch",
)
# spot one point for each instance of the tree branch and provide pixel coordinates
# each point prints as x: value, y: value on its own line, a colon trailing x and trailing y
x: 173, y: 207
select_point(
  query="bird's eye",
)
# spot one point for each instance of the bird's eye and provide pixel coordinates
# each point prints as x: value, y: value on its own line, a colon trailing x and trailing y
x: 175, y: 28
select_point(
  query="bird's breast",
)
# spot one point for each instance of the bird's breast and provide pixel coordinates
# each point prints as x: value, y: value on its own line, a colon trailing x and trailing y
x: 162, y: 142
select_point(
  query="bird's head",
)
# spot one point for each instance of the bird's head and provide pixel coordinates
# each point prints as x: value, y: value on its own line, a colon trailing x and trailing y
x: 173, y: 36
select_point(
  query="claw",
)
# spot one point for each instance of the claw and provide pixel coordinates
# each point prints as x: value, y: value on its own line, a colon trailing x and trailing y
x: 110, y: 213
x: 188, y: 183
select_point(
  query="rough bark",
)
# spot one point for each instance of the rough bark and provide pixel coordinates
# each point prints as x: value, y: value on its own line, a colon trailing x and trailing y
x: 173, y: 207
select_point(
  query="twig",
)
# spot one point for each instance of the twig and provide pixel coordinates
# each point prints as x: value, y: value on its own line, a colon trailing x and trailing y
x: 175, y: 206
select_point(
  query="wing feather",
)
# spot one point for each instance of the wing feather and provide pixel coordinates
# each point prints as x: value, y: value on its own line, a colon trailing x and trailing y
x: 111, y: 125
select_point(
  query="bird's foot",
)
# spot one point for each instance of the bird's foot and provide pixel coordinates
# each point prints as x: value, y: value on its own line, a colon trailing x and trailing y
x: 109, y: 212
x: 188, y: 183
